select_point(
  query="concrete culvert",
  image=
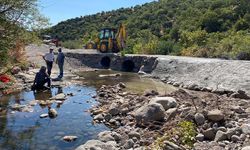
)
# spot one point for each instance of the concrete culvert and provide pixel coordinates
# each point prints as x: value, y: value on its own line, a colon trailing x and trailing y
x: 128, y: 66
x: 105, y: 62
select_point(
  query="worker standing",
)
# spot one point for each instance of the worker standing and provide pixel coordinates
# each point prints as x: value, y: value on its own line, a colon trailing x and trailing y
x: 49, y: 59
x: 60, y: 62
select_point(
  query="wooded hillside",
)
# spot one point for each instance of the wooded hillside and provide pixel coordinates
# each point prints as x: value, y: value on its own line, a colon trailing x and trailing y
x: 204, y: 28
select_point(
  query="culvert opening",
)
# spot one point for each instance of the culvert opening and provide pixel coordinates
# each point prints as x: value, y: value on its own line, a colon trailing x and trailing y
x: 128, y: 66
x: 105, y: 62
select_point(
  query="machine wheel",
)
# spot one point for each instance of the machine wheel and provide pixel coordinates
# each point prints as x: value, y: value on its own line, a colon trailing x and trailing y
x: 89, y: 46
x: 103, y: 48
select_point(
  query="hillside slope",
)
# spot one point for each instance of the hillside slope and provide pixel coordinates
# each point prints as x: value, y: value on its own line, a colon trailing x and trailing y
x: 205, y: 28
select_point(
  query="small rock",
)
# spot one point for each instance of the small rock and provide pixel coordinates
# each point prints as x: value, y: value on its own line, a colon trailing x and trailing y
x: 107, y: 117
x: 247, y: 110
x: 33, y: 103
x: 44, y: 115
x: 220, y: 136
x: 215, y: 115
x: 116, y: 136
x: 134, y: 134
x: 60, y: 96
x: 15, y: 70
x: 246, y: 128
x: 70, y: 138
x: 114, y: 109
x: 99, y: 117
x: 243, y: 137
x: 171, y: 146
x: 199, y: 137
x: 166, y: 102
x: 246, y: 148
x: 222, y: 129
x: 199, y: 118
x: 122, y: 85
x: 237, y: 109
x: 150, y: 93
x: 231, y: 132
x: 129, y: 144
x: 209, y: 134
x: 70, y: 94
x: 105, y: 136
x: 222, y: 144
x: 52, y: 113
x: 96, y: 145
x: 235, y: 138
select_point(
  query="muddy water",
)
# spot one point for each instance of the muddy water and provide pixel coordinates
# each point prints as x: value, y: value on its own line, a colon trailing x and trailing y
x: 133, y: 82
x: 26, y: 130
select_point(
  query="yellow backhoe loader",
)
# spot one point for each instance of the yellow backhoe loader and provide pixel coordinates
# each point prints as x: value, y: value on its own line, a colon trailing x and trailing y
x: 110, y: 40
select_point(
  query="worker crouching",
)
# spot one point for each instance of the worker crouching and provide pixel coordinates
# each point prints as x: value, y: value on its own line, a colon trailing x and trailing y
x: 41, y: 79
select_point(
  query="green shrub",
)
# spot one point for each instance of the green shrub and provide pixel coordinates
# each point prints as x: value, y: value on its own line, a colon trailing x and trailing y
x: 73, y: 44
x: 185, y: 131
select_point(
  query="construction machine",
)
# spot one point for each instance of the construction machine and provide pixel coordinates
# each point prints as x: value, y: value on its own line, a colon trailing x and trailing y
x: 109, y: 40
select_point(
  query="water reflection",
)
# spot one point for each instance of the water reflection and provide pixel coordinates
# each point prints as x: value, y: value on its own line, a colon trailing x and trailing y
x: 21, y: 130
x: 133, y: 82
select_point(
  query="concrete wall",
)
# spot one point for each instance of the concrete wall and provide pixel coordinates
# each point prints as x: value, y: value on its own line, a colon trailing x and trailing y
x: 116, y: 61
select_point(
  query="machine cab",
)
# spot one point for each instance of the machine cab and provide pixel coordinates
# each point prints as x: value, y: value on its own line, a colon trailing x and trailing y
x: 107, y: 33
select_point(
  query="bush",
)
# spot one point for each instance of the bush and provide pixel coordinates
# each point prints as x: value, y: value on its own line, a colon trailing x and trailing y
x: 165, y: 47
x: 243, y: 56
x: 185, y: 131
x: 73, y: 44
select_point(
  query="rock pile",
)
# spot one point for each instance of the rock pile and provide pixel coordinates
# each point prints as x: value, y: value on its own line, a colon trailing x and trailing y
x: 137, y: 120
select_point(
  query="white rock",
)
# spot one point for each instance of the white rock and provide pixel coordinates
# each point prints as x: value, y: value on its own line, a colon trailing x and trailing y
x: 69, y: 138
x: 60, y: 96
x: 44, y: 115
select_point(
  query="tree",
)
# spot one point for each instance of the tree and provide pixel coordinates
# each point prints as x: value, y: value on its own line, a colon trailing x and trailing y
x: 17, y: 19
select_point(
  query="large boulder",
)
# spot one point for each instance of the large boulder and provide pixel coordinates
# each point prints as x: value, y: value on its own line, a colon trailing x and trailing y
x: 96, y: 145
x: 215, y: 115
x: 166, y: 102
x: 150, y: 112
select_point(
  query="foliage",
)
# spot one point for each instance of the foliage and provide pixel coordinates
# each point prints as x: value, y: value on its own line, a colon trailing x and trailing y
x: 18, y: 21
x: 185, y: 131
x: 201, y: 28
x: 72, y: 44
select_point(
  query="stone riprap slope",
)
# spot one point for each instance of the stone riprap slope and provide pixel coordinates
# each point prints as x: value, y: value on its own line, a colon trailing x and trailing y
x: 200, y: 73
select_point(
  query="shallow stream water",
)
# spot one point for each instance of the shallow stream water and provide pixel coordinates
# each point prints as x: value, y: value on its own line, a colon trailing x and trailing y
x: 26, y: 130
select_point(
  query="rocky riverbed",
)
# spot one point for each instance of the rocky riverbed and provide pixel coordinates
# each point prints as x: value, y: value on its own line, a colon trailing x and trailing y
x: 180, y: 120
